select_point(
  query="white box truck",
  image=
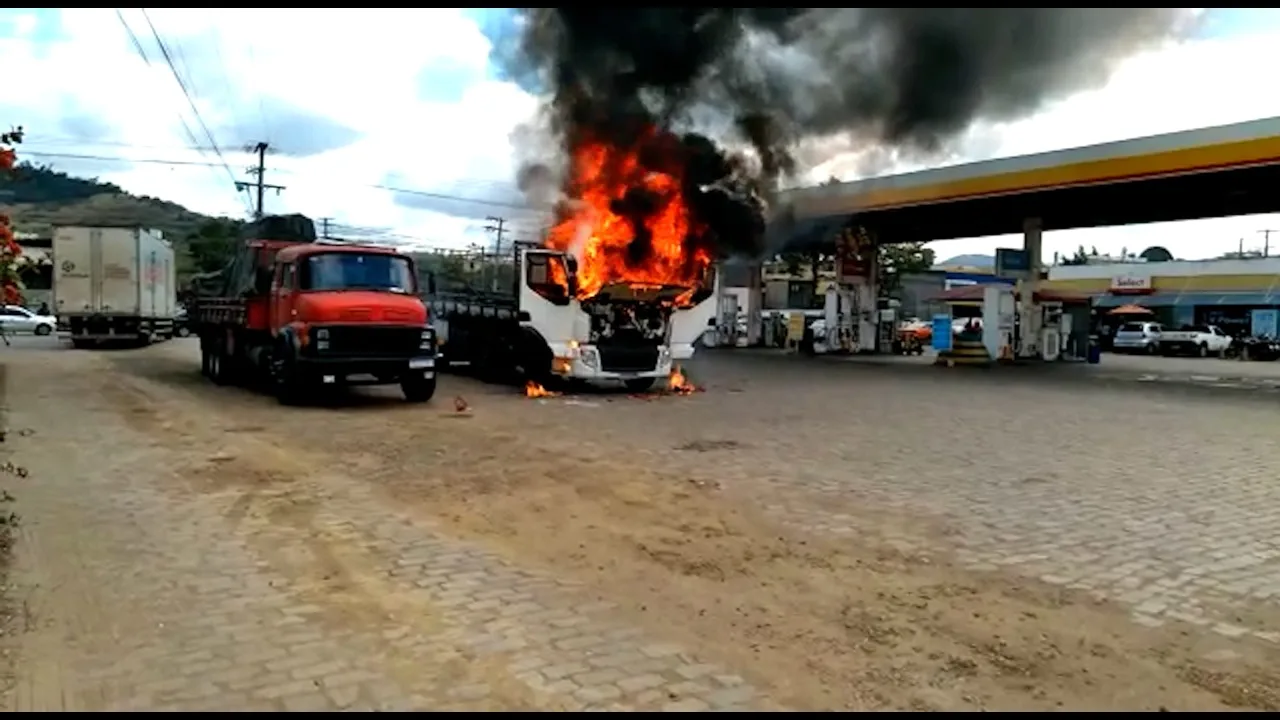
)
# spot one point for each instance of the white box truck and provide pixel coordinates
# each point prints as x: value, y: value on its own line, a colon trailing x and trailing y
x: 113, y: 284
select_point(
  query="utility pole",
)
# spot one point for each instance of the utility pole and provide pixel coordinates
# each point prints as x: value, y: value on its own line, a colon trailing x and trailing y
x: 497, y: 226
x: 259, y: 172
x: 324, y: 227
x: 1266, y: 242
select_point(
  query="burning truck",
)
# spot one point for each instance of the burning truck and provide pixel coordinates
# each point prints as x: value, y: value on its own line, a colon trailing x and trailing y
x: 620, y: 289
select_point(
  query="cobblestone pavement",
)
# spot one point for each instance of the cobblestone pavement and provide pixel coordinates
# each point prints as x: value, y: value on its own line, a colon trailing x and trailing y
x: 176, y: 556
x: 172, y: 561
x: 1161, y: 497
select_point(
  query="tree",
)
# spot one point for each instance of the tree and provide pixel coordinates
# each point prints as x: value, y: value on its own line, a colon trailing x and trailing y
x: 212, y: 245
x: 897, y: 260
x: 10, y: 280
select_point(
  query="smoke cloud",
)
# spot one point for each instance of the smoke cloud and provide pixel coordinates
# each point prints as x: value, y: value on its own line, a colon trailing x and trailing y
x: 910, y: 79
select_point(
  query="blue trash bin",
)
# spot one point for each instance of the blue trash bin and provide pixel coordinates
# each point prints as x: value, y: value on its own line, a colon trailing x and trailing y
x: 1095, y: 350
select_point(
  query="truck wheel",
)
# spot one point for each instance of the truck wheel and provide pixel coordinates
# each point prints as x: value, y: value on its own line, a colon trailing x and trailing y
x: 1204, y: 350
x: 417, y: 389
x: 289, y: 388
x: 221, y: 370
x: 640, y: 385
x: 182, y: 331
x: 43, y: 329
x: 204, y: 363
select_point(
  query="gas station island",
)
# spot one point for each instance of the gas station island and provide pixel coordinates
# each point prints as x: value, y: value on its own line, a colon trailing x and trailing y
x: 1212, y: 172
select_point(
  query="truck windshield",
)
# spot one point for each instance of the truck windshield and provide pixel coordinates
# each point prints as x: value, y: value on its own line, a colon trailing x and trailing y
x: 356, y: 271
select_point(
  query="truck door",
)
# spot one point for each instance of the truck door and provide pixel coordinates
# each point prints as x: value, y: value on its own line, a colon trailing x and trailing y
x: 73, y: 270
x: 119, y: 271
x: 688, y: 324
x: 283, y: 295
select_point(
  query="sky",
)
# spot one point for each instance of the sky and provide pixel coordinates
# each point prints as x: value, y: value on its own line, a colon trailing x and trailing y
x: 395, y: 123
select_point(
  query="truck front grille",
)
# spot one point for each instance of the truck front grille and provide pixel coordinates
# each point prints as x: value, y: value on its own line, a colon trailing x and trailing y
x: 628, y: 358
x: 371, y: 341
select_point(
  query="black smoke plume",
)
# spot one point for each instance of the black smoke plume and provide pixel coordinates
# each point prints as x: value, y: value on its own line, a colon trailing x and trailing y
x: 909, y: 78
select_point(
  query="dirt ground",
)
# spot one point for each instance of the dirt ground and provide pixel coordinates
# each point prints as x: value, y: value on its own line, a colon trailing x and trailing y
x: 816, y: 620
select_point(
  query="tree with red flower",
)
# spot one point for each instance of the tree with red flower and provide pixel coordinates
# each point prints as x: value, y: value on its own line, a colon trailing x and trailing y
x: 10, y: 282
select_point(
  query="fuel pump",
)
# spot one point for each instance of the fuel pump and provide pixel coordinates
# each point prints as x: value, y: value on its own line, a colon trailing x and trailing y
x: 1051, y: 330
x: 840, y: 318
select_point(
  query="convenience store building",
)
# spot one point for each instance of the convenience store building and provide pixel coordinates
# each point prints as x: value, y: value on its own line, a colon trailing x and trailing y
x: 1180, y: 292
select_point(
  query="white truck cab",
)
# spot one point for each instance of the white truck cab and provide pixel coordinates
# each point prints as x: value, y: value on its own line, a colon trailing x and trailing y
x: 628, y: 333
x: 522, y: 313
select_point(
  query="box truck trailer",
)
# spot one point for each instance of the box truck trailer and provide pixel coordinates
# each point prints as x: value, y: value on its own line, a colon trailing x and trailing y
x: 113, y: 284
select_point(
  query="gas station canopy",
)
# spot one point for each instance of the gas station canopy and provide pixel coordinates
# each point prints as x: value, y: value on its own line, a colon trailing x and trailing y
x: 1212, y: 172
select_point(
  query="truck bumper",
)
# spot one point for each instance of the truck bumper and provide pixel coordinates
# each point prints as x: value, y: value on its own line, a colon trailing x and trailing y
x: 112, y: 327
x: 584, y: 363
x: 366, y: 371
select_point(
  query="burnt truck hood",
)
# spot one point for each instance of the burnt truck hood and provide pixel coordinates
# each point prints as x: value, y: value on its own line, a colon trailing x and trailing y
x: 624, y: 292
x: 360, y: 306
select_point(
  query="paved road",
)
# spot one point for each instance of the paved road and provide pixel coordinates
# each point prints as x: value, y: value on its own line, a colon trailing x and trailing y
x: 184, y: 549
x: 1160, y: 496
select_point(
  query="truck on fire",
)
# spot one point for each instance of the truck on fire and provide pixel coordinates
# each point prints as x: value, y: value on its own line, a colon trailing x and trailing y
x: 521, y: 315
x: 113, y: 284
x: 299, y: 314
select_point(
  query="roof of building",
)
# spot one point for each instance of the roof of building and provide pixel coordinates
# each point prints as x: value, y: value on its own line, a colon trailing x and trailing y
x: 1212, y: 172
x: 1172, y: 153
x: 971, y: 293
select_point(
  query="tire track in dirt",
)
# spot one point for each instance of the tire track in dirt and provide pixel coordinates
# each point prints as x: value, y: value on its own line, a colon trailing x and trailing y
x: 280, y: 509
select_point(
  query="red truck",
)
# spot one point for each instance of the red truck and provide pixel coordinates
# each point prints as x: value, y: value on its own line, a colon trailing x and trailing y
x: 300, y: 313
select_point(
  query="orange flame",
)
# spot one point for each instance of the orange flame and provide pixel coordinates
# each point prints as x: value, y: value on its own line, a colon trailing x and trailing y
x: 534, y: 390
x: 678, y: 384
x: 601, y: 239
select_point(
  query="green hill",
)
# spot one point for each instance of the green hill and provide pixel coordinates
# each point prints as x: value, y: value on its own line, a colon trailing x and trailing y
x: 36, y: 198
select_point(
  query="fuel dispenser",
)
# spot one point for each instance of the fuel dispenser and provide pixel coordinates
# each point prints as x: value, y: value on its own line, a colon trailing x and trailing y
x: 727, y: 321
x: 840, y: 313
x: 1055, y: 325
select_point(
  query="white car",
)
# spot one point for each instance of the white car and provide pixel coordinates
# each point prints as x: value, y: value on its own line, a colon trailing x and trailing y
x: 15, y: 319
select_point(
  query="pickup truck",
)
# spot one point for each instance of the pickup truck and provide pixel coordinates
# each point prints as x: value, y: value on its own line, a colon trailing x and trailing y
x: 1201, y: 340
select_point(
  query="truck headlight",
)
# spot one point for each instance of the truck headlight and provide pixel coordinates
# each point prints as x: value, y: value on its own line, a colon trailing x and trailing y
x: 322, y: 333
x: 427, y: 340
x: 589, y: 357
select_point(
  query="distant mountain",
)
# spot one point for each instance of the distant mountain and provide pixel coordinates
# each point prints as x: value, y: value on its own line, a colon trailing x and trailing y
x: 37, y: 198
x: 978, y: 261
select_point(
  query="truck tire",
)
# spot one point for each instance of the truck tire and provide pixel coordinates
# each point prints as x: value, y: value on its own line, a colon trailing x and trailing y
x: 640, y: 385
x: 205, y: 368
x: 289, y: 387
x: 44, y: 329
x: 417, y: 389
x: 222, y: 369
x: 1203, y: 350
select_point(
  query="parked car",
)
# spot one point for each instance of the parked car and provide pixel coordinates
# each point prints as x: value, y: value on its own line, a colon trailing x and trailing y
x: 17, y: 319
x: 1140, y: 337
x: 1202, y: 340
x: 181, y: 325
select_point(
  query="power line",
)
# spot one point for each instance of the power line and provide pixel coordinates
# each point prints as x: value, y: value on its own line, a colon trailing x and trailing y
x: 168, y: 59
x: 137, y: 44
x: 205, y: 163
x: 104, y: 158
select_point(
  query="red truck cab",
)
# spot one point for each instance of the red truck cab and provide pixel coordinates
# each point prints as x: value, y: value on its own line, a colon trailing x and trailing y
x: 306, y: 314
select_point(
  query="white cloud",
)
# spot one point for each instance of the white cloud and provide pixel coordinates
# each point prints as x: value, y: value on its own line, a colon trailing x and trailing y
x: 300, y: 81
x: 309, y: 81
